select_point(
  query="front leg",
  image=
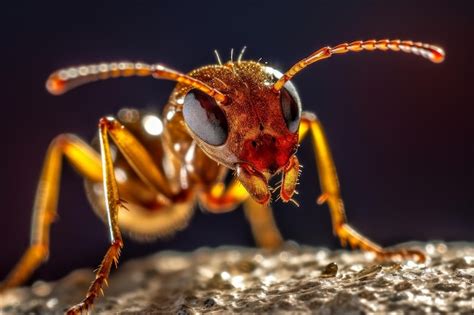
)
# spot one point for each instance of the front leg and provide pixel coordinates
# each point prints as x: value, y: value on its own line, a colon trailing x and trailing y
x: 113, y: 204
x: 332, y: 195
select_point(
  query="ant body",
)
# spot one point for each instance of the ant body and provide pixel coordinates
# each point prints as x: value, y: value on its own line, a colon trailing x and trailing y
x: 242, y: 116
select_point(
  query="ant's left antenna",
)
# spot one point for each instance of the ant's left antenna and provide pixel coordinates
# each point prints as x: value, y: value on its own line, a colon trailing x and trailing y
x: 64, y: 80
x: 433, y: 53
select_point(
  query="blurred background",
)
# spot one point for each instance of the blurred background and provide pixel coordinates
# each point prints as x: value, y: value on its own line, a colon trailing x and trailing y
x: 401, y: 128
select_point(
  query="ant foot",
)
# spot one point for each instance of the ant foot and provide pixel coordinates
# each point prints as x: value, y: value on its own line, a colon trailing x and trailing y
x: 402, y: 254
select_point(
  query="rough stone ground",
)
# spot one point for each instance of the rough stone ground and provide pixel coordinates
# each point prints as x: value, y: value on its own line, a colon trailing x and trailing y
x: 296, y: 279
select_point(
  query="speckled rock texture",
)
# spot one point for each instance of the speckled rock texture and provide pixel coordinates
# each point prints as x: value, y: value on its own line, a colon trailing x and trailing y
x: 295, y: 279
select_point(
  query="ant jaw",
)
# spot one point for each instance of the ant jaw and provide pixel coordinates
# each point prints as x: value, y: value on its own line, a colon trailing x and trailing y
x: 254, y: 182
x: 289, y: 180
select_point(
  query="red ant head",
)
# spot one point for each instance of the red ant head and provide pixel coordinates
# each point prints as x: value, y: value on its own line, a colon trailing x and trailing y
x: 256, y: 129
x: 257, y: 125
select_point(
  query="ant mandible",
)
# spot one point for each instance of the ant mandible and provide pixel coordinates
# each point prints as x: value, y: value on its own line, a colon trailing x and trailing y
x: 243, y: 116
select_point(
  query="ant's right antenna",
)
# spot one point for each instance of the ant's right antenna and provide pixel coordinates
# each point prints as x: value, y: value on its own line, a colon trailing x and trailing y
x: 64, y: 80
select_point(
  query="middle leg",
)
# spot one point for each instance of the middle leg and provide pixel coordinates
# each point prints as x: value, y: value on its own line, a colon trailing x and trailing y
x: 220, y: 199
x: 263, y: 225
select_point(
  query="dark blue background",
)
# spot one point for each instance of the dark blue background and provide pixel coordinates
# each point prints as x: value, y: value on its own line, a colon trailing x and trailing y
x: 401, y: 128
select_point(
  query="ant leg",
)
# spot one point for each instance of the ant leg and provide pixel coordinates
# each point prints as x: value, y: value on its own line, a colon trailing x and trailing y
x: 137, y: 156
x: 113, y: 204
x: 95, y: 168
x: 332, y: 195
x: 263, y: 225
x: 87, y: 161
x: 220, y: 199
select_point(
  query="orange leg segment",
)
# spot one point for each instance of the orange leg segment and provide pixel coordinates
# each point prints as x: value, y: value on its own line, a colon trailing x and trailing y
x: 137, y: 156
x: 332, y: 195
x: 263, y: 225
x: 140, y: 160
x: 87, y: 162
x: 113, y: 205
x: 220, y: 199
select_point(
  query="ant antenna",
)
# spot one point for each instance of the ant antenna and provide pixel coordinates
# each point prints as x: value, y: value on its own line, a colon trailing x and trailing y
x: 433, y: 53
x: 64, y: 80
x: 239, y: 59
x: 218, y: 57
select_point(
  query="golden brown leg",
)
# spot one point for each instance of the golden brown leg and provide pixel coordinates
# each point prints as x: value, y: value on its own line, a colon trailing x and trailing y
x: 137, y: 156
x: 87, y: 161
x: 95, y: 168
x: 220, y: 199
x: 113, y: 205
x: 264, y: 229
x: 142, y: 163
x: 332, y: 195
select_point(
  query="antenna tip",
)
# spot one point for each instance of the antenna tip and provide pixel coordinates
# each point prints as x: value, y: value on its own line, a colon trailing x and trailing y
x: 438, y: 54
x: 55, y: 85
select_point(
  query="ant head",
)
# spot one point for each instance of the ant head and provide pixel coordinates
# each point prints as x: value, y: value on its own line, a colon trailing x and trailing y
x: 255, y: 131
x: 257, y: 126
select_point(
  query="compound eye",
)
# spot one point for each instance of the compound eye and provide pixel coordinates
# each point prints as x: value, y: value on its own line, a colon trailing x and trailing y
x: 290, y: 106
x: 205, y: 118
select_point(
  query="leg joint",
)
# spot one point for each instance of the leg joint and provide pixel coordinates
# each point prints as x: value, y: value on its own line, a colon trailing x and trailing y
x: 63, y: 139
x: 309, y: 116
x: 117, y: 242
x: 108, y: 122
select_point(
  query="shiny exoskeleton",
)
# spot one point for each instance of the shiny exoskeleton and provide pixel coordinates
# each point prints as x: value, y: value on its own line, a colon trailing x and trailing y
x: 144, y: 173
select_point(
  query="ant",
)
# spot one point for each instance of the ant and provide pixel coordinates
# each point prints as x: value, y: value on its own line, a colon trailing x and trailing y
x: 243, y: 116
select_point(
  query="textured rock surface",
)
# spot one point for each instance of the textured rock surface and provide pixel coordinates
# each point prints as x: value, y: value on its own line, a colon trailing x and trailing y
x: 296, y: 279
